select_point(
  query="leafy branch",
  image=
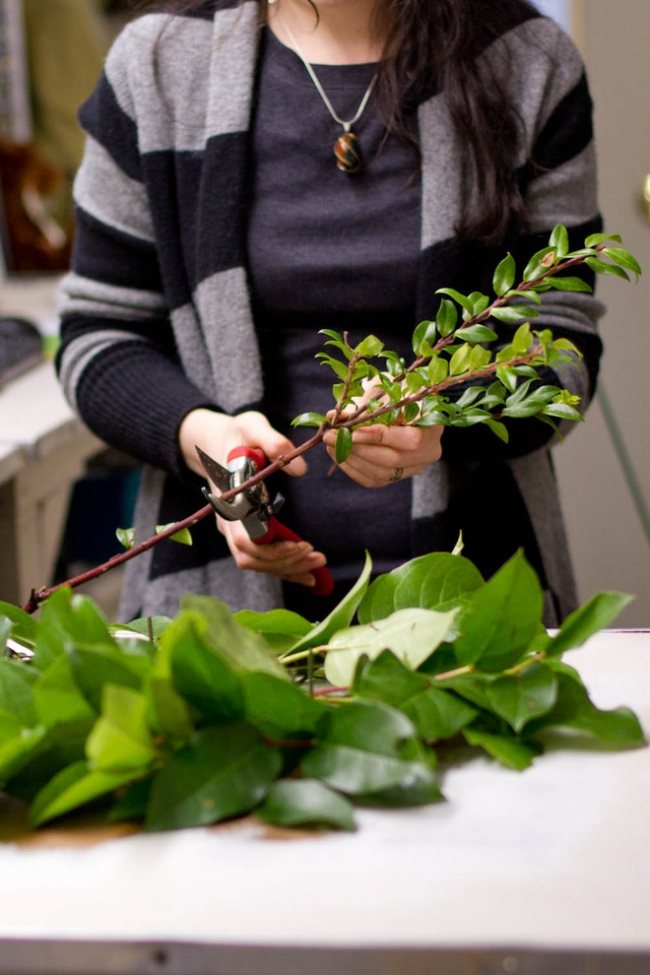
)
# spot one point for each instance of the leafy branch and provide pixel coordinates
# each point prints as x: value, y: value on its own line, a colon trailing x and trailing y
x: 175, y: 723
x: 463, y: 373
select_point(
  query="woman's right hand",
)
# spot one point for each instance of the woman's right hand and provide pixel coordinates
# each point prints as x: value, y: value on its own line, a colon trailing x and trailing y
x: 217, y: 434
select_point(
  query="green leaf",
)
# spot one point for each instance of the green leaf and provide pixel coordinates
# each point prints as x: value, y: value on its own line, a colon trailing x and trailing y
x: 92, y: 669
x: 562, y: 411
x: 623, y: 258
x: 600, y: 267
x: 501, y: 619
x: 23, y: 626
x: 200, y: 675
x: 504, y: 275
x: 225, y: 772
x: 446, y: 317
x: 595, y: 239
x: 72, y: 787
x: 340, y: 616
x: 361, y: 751
x: 476, y: 333
x: 154, y: 625
x: 132, y: 803
x: 438, y: 581
x: 435, y: 713
x: 438, y: 370
x: 559, y: 241
x: 183, y: 537
x: 279, y: 627
x: 57, y: 697
x: 309, y: 420
x: 575, y: 712
x: 279, y: 709
x: 17, y: 751
x: 306, y: 802
x: 412, y: 635
x: 513, y: 314
x: 237, y: 646
x: 521, y: 698
x: 369, y: 347
x: 459, y: 362
x: 569, y: 284
x: 534, y: 268
x: 16, y: 685
x: 463, y: 300
x: 126, y: 537
x: 508, y: 751
x: 120, y: 739
x: 594, y: 615
x: 342, y: 444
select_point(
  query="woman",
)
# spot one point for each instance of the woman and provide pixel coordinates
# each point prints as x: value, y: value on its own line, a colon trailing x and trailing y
x: 257, y: 171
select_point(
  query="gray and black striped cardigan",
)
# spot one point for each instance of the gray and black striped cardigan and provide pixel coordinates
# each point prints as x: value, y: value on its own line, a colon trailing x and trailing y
x: 159, y: 281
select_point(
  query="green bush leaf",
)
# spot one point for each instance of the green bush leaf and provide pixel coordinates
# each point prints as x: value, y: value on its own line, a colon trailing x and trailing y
x: 446, y: 317
x: 183, y: 537
x: 279, y: 627
x: 309, y: 419
x: 126, y: 537
x: 16, y: 697
x: 601, y: 267
x: 279, y: 709
x: 225, y: 772
x: 559, y: 241
x: 236, y: 645
x: 369, y: 347
x: 342, y: 444
x: 72, y: 787
x: 501, y: 618
x: 513, y: 314
x: 412, y: 635
x: 476, y: 333
x: 57, y: 697
x: 569, y: 284
x: 360, y: 751
x: 594, y: 615
x: 438, y: 581
x: 521, y: 698
x: 200, y: 675
x: 623, y: 258
x: 23, y: 626
x: 17, y: 751
x: 504, y: 275
x: 120, y: 739
x: 574, y: 711
x: 508, y: 751
x: 340, y: 616
x: 306, y: 802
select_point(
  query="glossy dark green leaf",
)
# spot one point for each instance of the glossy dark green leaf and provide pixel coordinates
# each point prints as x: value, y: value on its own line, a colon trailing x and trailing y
x: 508, y: 751
x: 446, y: 317
x: 438, y: 581
x: 237, y: 646
x: 71, y: 788
x: 340, y: 616
x: 595, y: 239
x: 93, y: 668
x: 504, y: 275
x: 342, y: 444
x: 463, y: 300
x: 476, y: 333
x: 225, y: 772
x: 520, y: 698
x: 309, y: 419
x: 152, y: 626
x: 534, y: 268
x: 369, y: 346
x: 132, y: 802
x: 70, y: 621
x: 200, y: 675
x: 623, y: 258
x: 559, y: 240
x: 594, y: 615
x: 424, y: 337
x: 306, y: 802
x: 575, y: 712
x: 560, y: 283
x: 17, y: 751
x: 513, y: 314
x: 601, y: 267
x: 501, y: 618
x: 279, y: 709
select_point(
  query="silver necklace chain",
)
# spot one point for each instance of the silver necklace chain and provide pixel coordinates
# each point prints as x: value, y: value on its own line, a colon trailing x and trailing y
x: 346, y: 123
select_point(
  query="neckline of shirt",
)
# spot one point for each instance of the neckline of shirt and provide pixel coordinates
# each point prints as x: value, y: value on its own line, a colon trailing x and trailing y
x: 330, y: 75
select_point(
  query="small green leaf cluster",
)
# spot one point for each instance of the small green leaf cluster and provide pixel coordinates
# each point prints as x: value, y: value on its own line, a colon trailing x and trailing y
x: 477, y: 361
x: 193, y: 720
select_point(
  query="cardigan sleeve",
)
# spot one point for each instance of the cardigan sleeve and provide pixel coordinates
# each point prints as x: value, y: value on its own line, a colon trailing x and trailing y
x: 117, y: 361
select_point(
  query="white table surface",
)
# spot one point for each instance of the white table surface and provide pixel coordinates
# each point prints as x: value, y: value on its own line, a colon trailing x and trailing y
x: 555, y: 858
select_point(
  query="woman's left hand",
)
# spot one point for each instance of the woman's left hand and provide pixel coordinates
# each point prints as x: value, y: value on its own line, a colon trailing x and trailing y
x: 383, y: 454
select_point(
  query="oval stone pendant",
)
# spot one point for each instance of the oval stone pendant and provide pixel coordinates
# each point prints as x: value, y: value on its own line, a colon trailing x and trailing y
x: 347, y: 153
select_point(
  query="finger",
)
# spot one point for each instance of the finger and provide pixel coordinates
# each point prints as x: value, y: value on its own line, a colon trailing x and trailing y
x: 258, y: 432
x: 285, y: 559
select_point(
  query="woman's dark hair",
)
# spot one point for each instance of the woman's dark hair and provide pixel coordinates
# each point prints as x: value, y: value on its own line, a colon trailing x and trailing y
x: 435, y: 45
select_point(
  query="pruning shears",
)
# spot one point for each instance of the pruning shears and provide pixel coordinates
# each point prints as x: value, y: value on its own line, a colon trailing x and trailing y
x: 253, y: 506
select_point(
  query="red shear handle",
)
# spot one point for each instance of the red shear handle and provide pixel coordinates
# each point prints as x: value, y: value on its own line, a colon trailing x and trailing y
x: 277, y: 532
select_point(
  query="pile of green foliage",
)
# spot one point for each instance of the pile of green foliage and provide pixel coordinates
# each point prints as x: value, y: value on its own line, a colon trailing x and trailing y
x: 211, y: 715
